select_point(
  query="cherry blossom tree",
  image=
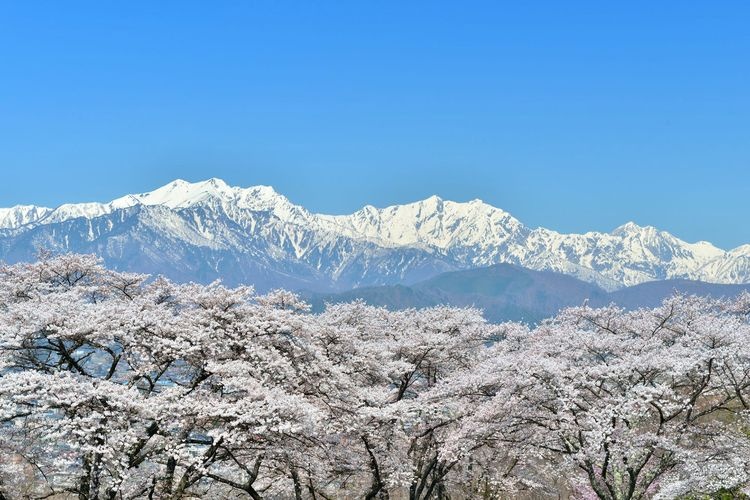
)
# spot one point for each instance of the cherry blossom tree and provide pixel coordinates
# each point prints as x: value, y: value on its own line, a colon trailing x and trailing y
x: 637, y: 404
x: 130, y: 388
x: 117, y: 385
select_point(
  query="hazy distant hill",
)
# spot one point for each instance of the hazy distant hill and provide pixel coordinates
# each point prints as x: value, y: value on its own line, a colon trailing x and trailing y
x: 652, y: 293
x: 510, y: 292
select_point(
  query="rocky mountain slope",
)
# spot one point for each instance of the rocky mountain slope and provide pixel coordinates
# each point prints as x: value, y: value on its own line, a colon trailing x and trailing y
x: 208, y: 230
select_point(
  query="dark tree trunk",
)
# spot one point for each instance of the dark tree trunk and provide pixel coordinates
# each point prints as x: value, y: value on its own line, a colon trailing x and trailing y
x: 297, y: 484
x: 377, y: 489
x: 169, y: 476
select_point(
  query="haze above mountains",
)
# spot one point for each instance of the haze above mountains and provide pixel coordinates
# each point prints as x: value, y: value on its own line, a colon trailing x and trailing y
x: 209, y: 230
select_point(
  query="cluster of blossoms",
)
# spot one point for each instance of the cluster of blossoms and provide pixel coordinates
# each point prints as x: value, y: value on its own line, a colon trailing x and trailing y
x: 116, y: 385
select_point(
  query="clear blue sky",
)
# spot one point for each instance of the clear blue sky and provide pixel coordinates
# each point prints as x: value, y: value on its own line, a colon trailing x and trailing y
x: 570, y: 115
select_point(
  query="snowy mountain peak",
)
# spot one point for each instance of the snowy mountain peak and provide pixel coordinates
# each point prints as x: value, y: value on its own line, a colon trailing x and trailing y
x: 371, y: 246
x: 429, y: 223
x: 13, y: 217
x: 631, y: 228
x: 742, y: 250
x: 175, y: 195
x: 182, y: 194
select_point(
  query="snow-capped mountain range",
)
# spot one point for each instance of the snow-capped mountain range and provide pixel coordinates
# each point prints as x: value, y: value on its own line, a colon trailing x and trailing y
x: 208, y: 230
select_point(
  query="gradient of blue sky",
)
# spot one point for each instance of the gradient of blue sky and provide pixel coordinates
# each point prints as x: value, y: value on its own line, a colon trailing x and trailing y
x: 570, y: 115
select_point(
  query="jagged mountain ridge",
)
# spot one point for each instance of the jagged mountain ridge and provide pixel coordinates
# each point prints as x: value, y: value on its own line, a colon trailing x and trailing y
x: 208, y: 230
